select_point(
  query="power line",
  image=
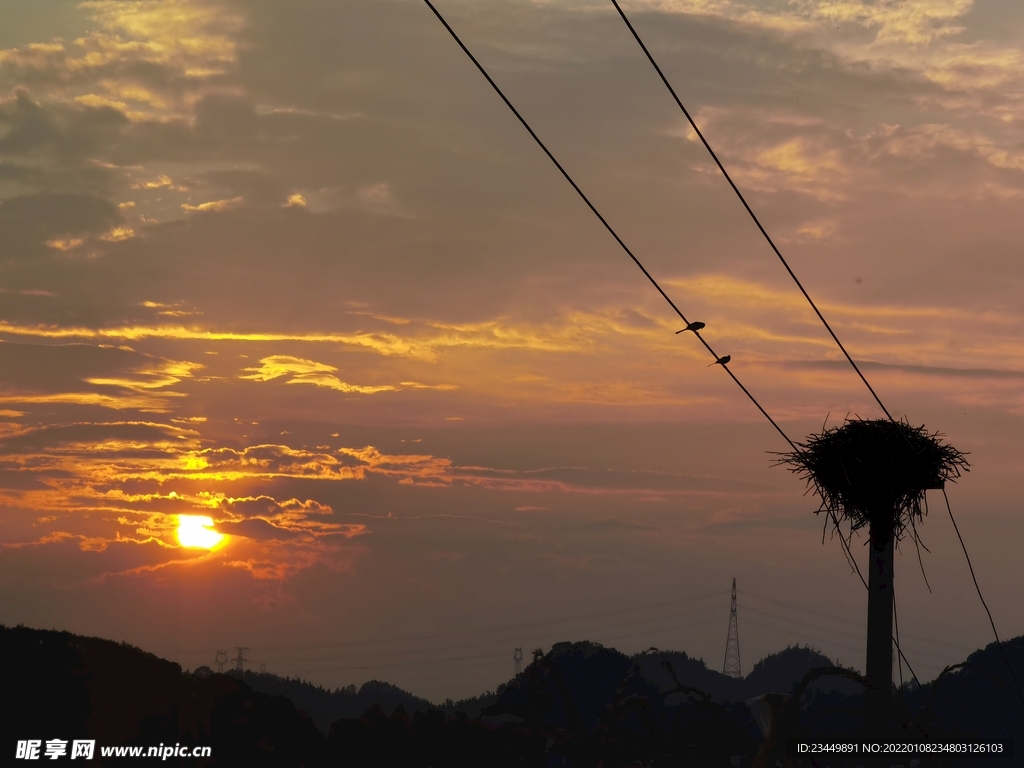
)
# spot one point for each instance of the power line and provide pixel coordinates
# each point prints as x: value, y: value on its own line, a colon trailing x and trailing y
x: 405, y: 661
x: 831, y: 637
x: 502, y: 628
x: 999, y: 644
x: 723, y: 361
x: 852, y: 622
x: 822, y: 628
x: 792, y: 274
x: 859, y: 648
x: 607, y: 634
x: 749, y: 210
x: 796, y: 280
x: 632, y: 256
x: 857, y: 643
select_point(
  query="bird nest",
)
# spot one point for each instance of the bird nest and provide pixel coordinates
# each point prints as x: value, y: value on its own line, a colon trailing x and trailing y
x: 875, y: 472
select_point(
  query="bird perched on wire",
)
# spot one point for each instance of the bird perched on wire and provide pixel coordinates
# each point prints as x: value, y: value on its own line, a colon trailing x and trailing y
x: 694, y: 326
x: 722, y: 360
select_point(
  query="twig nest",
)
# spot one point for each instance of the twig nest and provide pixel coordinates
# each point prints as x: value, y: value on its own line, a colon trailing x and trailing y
x: 875, y: 472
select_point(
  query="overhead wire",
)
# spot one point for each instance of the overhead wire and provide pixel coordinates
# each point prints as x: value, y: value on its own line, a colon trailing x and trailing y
x: 807, y: 296
x: 539, y: 623
x: 849, y: 645
x: 608, y: 631
x: 422, y: 657
x: 640, y: 627
x: 999, y: 644
x: 749, y: 210
x: 718, y: 359
x: 790, y: 621
x: 630, y: 253
x: 745, y: 594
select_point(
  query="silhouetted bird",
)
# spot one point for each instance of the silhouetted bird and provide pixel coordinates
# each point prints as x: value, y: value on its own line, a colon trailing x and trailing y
x: 722, y: 360
x: 694, y: 326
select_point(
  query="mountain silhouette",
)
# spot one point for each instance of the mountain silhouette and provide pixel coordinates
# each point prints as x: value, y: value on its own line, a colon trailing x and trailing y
x: 325, y: 706
x: 579, y: 705
x: 68, y: 686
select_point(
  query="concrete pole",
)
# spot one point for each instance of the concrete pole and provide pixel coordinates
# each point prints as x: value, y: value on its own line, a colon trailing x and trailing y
x: 878, y: 697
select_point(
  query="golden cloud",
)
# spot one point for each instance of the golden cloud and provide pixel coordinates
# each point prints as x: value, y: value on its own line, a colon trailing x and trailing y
x: 301, y: 371
x: 157, y: 183
x: 101, y: 477
x: 146, y: 404
x: 419, y: 385
x: 194, y: 41
x: 893, y: 21
x: 64, y: 244
x: 117, y: 234
x: 166, y: 373
x: 213, y: 205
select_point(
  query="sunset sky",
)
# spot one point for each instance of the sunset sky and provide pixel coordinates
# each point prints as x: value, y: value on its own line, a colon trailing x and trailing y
x: 295, y: 268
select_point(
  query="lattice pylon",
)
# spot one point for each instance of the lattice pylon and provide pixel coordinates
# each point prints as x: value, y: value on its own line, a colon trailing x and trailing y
x: 732, y: 643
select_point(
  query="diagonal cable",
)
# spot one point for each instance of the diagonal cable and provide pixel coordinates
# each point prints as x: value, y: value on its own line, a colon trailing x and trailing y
x: 643, y: 269
x: 999, y: 644
x: 602, y: 219
x: 746, y: 205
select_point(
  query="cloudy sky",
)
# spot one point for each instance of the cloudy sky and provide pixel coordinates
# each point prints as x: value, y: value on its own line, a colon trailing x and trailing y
x: 294, y: 267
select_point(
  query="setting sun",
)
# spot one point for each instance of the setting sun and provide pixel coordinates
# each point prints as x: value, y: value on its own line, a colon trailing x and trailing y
x: 194, y: 531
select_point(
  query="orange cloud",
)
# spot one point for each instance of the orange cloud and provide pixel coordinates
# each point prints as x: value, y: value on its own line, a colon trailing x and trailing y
x: 192, y: 41
x: 156, y: 403
x: 300, y: 371
x: 157, y: 183
x: 213, y: 205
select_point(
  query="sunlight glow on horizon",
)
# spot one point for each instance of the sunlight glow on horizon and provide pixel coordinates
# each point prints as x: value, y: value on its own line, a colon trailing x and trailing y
x: 194, y: 531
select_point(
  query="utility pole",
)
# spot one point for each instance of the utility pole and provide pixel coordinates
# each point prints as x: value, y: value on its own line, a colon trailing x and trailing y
x: 878, y: 694
x: 732, y: 642
x: 874, y: 474
x: 240, y: 659
x: 517, y: 661
x: 263, y: 667
x: 220, y: 658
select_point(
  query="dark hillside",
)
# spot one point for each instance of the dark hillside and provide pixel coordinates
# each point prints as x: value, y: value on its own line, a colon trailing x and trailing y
x: 981, y: 699
x: 776, y: 673
x: 59, y: 685
x: 780, y: 672
x: 580, y: 705
x: 578, y: 681
x: 325, y: 706
x: 690, y: 672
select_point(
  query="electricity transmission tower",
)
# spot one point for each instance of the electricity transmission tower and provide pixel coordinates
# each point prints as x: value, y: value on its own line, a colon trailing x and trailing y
x: 221, y: 657
x: 240, y: 659
x: 732, y: 644
x: 517, y: 660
